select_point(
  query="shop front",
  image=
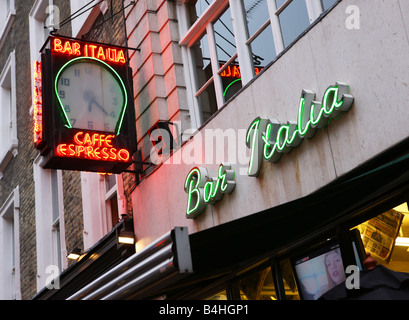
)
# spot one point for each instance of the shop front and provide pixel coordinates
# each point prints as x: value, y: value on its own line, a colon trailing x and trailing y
x: 283, y: 251
x: 279, y: 253
x: 303, y: 164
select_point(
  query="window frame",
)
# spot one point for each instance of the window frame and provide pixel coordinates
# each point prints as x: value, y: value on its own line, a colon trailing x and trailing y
x: 203, y: 25
x: 8, y: 79
x: 96, y: 206
x: 10, y: 279
x: 49, y: 224
x: 37, y: 18
x: 109, y: 194
x: 9, y: 19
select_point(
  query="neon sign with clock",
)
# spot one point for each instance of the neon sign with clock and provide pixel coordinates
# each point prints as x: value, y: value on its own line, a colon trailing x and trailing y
x: 88, y: 114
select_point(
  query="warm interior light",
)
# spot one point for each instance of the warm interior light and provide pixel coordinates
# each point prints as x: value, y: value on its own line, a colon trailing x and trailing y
x: 402, y: 241
x: 126, y: 237
x: 126, y: 240
x: 126, y: 234
x: 74, y: 254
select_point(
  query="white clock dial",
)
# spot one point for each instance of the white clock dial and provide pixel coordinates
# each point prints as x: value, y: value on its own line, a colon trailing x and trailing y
x: 91, y: 96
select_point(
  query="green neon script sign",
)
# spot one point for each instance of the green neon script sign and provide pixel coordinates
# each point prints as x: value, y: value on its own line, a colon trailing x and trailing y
x: 202, y: 190
x: 268, y: 139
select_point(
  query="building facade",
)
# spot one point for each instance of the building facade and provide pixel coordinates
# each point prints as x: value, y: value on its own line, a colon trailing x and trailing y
x: 264, y: 128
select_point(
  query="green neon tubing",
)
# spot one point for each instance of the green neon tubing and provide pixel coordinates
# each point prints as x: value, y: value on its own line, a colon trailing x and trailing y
x: 282, y: 142
x: 122, y: 115
x: 254, y: 126
x: 192, y: 189
x: 227, y: 88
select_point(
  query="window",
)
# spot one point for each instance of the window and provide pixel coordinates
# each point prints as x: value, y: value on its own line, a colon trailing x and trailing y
x: 8, y: 119
x: 100, y: 205
x: 201, y: 6
x: 55, y: 225
x: 38, y: 30
x: 226, y: 43
x: 50, y: 234
x: 85, y: 13
x: 7, y: 16
x: 258, y: 286
x: 327, y: 4
x: 386, y: 238
x: 9, y: 248
x: 111, y: 200
x: 38, y: 35
x: 222, y: 295
x: 261, y: 37
x: 293, y: 17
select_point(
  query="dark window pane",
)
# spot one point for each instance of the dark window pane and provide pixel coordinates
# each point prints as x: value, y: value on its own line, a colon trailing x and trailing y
x: 263, y: 45
x: 293, y: 20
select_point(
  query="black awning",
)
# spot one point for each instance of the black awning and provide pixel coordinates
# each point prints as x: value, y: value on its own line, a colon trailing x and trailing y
x: 266, y: 233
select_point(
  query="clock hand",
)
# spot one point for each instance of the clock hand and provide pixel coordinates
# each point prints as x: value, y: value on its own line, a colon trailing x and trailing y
x: 89, y: 97
x: 99, y: 106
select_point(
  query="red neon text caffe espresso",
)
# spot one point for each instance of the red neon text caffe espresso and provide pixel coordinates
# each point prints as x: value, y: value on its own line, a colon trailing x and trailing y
x: 93, y: 147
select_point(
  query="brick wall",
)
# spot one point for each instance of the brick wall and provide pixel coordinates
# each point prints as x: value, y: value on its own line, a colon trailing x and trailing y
x: 19, y: 171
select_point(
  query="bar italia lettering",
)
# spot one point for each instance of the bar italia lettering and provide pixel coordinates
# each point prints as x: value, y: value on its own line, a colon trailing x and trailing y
x: 79, y: 49
x: 202, y: 190
x: 268, y: 139
x: 93, y: 147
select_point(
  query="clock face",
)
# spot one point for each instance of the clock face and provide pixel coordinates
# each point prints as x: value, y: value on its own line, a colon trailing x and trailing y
x: 91, y: 95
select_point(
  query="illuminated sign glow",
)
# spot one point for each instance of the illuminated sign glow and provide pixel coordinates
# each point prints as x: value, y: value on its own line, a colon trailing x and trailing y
x: 108, y: 67
x: 93, y: 147
x: 233, y: 71
x: 79, y: 49
x: 38, y: 104
x: 88, y: 118
x: 203, y: 190
x: 269, y: 140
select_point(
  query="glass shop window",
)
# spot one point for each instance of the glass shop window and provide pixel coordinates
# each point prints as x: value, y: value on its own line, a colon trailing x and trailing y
x: 222, y: 295
x: 258, y: 286
x: 290, y: 284
x: 386, y: 238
